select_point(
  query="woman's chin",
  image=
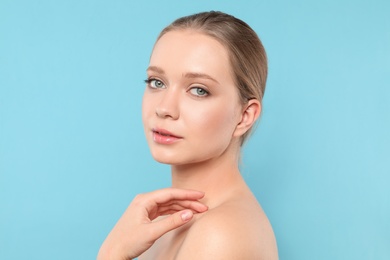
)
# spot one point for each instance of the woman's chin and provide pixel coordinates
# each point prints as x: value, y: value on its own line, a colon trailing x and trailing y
x: 174, y: 160
x: 165, y: 159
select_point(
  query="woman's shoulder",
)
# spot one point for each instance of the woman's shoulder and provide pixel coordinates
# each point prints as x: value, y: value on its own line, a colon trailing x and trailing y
x: 236, y: 229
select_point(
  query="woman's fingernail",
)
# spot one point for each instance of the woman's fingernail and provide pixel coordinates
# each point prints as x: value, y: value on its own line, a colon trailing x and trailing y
x: 187, y: 215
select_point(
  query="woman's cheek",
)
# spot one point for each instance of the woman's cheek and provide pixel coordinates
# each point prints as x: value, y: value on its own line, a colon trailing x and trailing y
x: 210, y: 121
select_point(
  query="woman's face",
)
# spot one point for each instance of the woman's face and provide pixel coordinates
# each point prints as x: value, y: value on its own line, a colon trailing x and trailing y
x: 191, y: 105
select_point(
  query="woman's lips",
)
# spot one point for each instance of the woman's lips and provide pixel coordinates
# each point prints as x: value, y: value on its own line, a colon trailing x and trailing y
x: 162, y: 136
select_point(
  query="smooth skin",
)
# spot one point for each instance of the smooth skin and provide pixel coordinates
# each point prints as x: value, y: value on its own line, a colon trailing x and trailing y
x: 136, y: 232
x: 191, y: 94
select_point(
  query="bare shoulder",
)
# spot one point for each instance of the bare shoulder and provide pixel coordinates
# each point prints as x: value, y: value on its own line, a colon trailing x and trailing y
x: 237, y: 229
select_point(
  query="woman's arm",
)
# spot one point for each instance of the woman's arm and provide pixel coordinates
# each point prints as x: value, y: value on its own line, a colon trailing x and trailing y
x: 135, y: 232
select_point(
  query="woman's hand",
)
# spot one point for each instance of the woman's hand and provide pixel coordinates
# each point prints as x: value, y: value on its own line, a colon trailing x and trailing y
x: 135, y: 232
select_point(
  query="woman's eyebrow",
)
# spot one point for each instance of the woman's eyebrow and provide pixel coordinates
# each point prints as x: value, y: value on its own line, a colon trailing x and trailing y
x: 155, y: 69
x: 193, y: 75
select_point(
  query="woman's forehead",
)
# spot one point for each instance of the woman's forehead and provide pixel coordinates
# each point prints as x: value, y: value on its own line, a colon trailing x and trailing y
x: 190, y: 51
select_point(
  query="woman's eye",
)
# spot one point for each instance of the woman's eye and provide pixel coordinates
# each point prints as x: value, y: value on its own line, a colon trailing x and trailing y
x: 200, y: 92
x: 155, y: 83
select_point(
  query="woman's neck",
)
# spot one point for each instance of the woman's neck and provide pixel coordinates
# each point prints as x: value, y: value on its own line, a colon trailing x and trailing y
x: 217, y: 177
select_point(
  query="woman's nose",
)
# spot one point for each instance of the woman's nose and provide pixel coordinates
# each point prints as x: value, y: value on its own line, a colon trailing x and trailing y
x: 168, y: 105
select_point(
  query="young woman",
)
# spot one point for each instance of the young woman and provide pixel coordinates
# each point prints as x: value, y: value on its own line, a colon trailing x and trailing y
x: 204, y: 87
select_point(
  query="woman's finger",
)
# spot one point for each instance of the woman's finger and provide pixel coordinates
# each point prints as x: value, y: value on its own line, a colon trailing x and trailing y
x: 194, y: 206
x: 169, y: 223
x: 152, y: 200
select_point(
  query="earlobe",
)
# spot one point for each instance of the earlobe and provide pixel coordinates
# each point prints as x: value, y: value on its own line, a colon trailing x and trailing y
x: 249, y: 116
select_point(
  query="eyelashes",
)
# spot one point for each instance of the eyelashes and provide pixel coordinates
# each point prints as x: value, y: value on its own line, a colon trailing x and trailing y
x: 196, y: 91
x: 155, y: 83
x: 199, y: 92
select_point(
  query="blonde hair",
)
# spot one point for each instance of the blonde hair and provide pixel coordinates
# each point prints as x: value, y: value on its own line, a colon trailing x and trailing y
x: 247, y: 54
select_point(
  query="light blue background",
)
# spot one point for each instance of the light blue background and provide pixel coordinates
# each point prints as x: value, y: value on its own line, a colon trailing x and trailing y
x: 72, y: 149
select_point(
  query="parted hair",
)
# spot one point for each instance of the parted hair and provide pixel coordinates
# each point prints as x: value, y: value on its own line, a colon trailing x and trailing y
x: 246, y: 52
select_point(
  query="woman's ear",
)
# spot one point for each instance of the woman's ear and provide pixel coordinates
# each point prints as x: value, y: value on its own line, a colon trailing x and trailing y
x: 251, y: 111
